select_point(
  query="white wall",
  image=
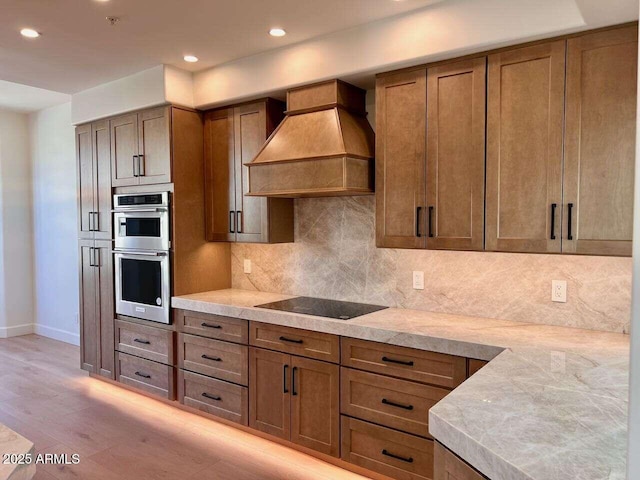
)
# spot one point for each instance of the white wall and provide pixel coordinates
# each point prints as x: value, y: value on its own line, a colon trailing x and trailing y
x: 16, y: 242
x: 55, y: 223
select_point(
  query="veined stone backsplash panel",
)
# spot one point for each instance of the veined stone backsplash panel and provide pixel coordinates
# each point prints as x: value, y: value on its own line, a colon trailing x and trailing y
x: 334, y: 256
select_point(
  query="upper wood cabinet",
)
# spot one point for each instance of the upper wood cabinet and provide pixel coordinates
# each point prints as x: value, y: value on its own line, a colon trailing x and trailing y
x: 141, y: 148
x: 401, y: 106
x: 600, y: 142
x: 525, y: 112
x: 233, y: 136
x: 456, y: 95
x: 94, y: 180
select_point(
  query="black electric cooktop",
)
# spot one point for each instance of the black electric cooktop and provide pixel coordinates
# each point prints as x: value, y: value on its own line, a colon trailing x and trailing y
x: 323, y: 308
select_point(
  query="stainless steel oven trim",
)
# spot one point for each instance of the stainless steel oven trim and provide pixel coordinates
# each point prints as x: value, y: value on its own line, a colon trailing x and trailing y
x: 147, y: 312
x: 142, y: 243
x: 164, y: 203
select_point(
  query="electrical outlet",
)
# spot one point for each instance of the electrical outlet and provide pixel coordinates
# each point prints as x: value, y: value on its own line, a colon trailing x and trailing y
x: 247, y: 265
x: 559, y: 291
x: 418, y: 280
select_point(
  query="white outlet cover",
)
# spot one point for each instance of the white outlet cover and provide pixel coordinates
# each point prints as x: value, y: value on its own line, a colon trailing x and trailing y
x: 247, y: 265
x: 418, y: 280
x: 559, y: 291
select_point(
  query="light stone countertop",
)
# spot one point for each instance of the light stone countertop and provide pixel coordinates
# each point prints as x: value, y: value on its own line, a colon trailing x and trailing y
x: 11, y: 442
x: 551, y: 404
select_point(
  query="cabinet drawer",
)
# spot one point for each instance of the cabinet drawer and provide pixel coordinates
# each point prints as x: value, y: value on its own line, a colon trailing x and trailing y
x: 145, y: 341
x: 305, y: 343
x: 427, y: 367
x: 226, y: 361
x: 215, y: 397
x: 146, y: 375
x: 213, y: 326
x: 395, y: 454
x: 398, y: 404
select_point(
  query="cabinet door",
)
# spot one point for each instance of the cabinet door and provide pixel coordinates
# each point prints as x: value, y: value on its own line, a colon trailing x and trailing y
x: 600, y: 142
x: 220, y: 192
x: 269, y: 392
x: 456, y: 95
x: 89, y: 320
x: 401, y: 102
x: 525, y: 108
x: 101, y: 147
x: 124, y: 150
x: 86, y: 181
x: 250, y: 130
x: 154, y: 145
x: 315, y: 411
x: 103, y: 260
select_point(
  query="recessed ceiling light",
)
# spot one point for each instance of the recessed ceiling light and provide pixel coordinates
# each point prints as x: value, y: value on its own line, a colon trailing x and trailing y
x: 277, y: 32
x: 190, y: 58
x: 29, y: 33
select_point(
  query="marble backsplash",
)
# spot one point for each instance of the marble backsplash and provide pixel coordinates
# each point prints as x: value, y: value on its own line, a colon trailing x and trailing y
x: 334, y: 256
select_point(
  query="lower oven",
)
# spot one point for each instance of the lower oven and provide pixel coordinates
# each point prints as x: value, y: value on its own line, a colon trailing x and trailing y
x: 143, y: 284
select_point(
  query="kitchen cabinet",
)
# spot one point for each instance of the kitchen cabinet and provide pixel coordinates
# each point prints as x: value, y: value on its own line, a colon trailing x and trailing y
x: 96, y: 307
x: 525, y: 113
x: 456, y: 95
x: 295, y: 398
x: 94, y: 180
x: 141, y: 148
x: 233, y: 136
x: 447, y: 466
x: 600, y: 142
x: 401, y: 104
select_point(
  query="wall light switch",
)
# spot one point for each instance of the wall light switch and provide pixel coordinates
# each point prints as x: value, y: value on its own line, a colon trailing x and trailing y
x: 247, y: 265
x: 418, y: 280
x: 559, y: 291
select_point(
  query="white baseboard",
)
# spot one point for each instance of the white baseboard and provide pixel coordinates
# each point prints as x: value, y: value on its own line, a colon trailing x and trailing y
x: 57, y: 334
x: 16, y: 331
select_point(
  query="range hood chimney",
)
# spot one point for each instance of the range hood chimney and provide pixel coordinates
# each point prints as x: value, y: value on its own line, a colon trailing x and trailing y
x: 324, y: 146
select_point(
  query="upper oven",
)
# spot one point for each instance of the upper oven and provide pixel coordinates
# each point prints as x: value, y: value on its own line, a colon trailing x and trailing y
x: 141, y: 221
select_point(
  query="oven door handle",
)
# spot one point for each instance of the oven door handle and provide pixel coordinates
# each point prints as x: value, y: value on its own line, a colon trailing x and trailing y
x: 143, y: 210
x: 142, y: 254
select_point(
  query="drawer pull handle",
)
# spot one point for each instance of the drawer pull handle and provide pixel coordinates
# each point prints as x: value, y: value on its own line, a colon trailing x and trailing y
x: 211, y: 397
x: 143, y: 375
x: 208, y: 325
x: 399, y: 362
x: 144, y: 342
x: 399, y: 405
x: 214, y: 359
x: 397, y: 457
x: 285, y: 339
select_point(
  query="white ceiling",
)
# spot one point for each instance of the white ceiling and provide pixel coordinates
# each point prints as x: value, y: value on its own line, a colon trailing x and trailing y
x: 78, y: 48
x: 22, y: 98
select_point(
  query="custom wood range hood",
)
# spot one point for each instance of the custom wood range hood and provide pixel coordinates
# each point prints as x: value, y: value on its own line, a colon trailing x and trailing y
x: 323, y: 147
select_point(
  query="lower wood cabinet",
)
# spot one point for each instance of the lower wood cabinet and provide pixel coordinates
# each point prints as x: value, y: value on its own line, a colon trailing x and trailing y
x: 398, y: 455
x: 223, y: 360
x: 152, y: 377
x: 145, y: 341
x: 447, y: 466
x: 295, y: 399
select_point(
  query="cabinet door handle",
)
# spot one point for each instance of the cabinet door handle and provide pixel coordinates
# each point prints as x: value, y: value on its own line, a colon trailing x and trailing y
x: 208, y: 325
x: 239, y: 221
x: 213, y: 359
x: 408, y: 363
x: 91, y: 264
x: 91, y: 221
x: 211, y: 397
x: 96, y: 253
x: 144, y: 342
x: 284, y: 379
x: 291, y: 340
x: 293, y: 381
x: 394, y: 404
x: 135, y: 166
x: 143, y: 375
x: 232, y: 223
x: 96, y: 222
x: 397, y: 457
x: 430, y: 224
x: 553, y: 220
x: 141, y: 165
x: 569, y: 222
x: 418, y: 210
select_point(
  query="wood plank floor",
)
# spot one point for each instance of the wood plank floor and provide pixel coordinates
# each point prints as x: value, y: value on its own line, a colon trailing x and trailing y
x: 119, y: 434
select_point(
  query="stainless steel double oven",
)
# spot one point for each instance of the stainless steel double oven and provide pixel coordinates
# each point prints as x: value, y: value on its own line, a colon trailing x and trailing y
x: 142, y: 255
